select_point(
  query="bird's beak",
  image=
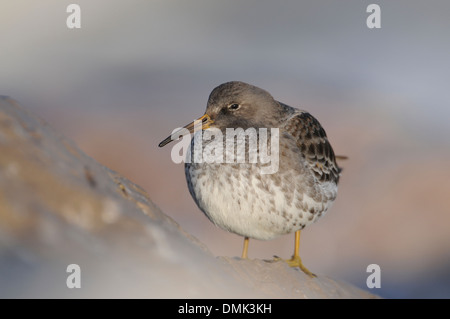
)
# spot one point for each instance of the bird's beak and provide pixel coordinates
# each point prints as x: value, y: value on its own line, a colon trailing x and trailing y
x: 203, y: 123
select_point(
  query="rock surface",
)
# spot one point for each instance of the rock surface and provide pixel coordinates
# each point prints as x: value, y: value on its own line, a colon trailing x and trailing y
x: 60, y: 207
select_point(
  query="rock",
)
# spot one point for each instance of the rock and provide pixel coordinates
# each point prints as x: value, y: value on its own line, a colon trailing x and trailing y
x: 60, y: 207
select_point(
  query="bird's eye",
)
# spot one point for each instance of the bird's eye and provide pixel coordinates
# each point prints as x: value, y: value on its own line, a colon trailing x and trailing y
x: 233, y: 107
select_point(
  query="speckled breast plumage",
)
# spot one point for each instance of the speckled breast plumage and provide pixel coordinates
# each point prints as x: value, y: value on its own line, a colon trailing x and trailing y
x: 239, y: 199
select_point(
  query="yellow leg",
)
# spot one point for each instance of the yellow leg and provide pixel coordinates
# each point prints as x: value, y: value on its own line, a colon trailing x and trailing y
x: 296, y: 261
x: 245, y: 249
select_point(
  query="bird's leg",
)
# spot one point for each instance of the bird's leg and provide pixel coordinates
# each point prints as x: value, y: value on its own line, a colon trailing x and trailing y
x: 245, y: 249
x: 296, y: 261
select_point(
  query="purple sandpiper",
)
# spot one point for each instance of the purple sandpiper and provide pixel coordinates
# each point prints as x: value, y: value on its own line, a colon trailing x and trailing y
x: 237, y: 197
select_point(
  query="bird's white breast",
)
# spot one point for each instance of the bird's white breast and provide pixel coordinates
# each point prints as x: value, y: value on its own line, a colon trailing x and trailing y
x: 239, y: 199
x: 249, y: 204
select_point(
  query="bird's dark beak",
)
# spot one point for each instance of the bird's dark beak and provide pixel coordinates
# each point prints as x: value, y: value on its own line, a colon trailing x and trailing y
x: 203, y: 123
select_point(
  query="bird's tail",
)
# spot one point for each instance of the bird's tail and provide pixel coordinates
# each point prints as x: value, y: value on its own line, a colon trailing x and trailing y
x: 341, y: 157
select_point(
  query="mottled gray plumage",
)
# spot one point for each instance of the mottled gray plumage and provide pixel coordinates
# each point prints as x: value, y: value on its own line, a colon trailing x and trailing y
x: 237, y: 197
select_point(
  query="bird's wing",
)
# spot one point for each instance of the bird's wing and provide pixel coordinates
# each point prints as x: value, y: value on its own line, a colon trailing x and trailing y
x: 314, y: 146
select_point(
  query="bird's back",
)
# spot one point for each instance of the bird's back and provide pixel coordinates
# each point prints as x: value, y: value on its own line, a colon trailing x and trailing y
x: 313, y: 144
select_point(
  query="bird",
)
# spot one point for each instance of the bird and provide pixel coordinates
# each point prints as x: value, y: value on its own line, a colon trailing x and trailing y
x: 237, y: 196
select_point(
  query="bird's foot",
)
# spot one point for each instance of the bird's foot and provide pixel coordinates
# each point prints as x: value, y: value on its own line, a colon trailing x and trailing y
x: 296, y: 261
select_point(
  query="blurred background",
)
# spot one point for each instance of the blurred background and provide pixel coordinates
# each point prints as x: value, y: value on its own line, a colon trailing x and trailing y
x: 138, y: 69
